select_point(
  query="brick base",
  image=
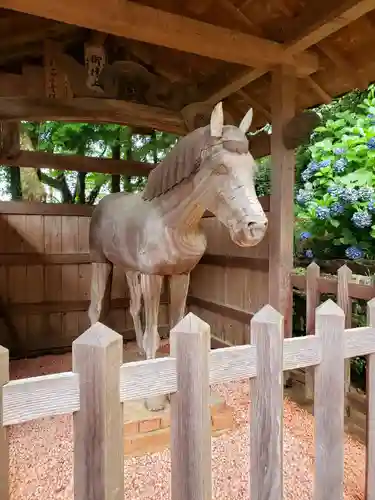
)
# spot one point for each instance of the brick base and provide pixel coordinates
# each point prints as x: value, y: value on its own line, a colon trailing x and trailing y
x: 148, y: 432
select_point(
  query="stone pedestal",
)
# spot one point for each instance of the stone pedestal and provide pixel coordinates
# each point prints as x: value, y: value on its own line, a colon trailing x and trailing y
x: 147, y: 432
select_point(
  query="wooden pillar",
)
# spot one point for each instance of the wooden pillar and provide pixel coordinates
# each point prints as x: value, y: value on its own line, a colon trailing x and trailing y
x: 283, y: 92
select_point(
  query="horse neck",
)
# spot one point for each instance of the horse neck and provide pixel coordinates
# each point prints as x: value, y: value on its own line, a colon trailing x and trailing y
x: 180, y: 207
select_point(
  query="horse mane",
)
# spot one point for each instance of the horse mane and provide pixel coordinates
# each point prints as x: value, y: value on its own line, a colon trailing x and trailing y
x: 185, y: 159
x: 180, y: 163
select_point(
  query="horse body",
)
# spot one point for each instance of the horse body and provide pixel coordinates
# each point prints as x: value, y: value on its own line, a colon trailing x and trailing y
x: 149, y: 239
x: 157, y: 233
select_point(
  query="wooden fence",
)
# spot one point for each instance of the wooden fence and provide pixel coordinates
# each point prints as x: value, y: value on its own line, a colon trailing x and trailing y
x: 99, y: 385
x: 345, y: 286
x: 45, y: 275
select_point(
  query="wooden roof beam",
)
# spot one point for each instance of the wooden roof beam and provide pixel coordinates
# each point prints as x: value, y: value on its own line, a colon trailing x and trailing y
x: 128, y: 20
x: 339, y: 17
x: 91, y: 110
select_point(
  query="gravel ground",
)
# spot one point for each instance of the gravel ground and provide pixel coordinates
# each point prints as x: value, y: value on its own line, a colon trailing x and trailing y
x: 41, y: 453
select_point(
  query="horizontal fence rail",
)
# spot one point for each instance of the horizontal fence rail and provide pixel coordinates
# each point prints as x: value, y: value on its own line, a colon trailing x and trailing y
x: 56, y: 394
x: 100, y: 384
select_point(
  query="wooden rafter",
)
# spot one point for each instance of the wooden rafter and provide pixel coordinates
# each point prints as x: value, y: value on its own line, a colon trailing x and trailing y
x: 128, y: 19
x: 318, y: 89
x: 348, y: 68
x: 91, y: 110
x: 326, y: 25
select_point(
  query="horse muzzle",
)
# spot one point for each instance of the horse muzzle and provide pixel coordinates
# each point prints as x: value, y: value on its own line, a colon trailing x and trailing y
x: 249, y: 235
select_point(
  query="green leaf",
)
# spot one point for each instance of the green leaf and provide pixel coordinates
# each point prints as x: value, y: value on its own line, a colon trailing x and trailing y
x: 335, y: 222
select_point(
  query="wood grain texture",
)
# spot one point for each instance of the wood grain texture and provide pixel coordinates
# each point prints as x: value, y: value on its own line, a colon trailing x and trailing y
x: 312, y: 302
x: 98, y: 425
x: 283, y: 97
x: 157, y: 233
x: 37, y: 397
x: 266, y: 410
x: 181, y: 33
x: 309, y: 29
x: 4, y: 445
x: 191, y: 475
x: 49, y: 395
x: 344, y: 276
x: 329, y: 404
x: 370, y: 417
x: 91, y: 110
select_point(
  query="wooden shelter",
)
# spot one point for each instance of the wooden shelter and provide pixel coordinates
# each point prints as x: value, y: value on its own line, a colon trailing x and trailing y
x: 163, y: 64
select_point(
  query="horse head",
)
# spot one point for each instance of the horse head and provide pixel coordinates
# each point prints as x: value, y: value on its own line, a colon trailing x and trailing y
x: 227, y: 171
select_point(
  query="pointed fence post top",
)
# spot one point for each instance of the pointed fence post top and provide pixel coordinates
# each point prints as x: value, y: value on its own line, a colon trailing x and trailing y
x: 329, y: 308
x: 191, y: 324
x: 313, y: 267
x: 98, y: 335
x: 3, y: 351
x: 267, y: 314
x: 344, y: 270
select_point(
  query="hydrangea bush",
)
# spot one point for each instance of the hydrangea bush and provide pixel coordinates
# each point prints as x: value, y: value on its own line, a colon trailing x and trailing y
x: 335, y: 207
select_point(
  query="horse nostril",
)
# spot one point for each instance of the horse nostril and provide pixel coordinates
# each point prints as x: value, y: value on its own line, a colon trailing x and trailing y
x: 257, y: 224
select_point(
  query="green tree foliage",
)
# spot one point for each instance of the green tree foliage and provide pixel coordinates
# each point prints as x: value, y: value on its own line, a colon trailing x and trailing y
x: 104, y: 140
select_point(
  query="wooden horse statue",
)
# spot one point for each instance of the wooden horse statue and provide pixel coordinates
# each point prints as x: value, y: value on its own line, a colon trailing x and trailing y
x: 157, y: 233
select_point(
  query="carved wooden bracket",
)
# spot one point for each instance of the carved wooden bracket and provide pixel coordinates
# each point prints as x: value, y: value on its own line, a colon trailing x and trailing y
x: 298, y: 130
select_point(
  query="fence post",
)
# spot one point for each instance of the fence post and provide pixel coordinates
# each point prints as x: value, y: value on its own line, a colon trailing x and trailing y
x: 190, y: 412
x: 329, y: 403
x: 266, y: 412
x: 312, y: 302
x: 370, y: 417
x: 4, y: 445
x: 344, y: 276
x: 98, y: 425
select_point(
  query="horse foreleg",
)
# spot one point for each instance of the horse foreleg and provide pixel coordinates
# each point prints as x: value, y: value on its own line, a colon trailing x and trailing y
x: 101, y: 283
x: 178, y: 289
x: 133, y: 279
x: 151, y: 290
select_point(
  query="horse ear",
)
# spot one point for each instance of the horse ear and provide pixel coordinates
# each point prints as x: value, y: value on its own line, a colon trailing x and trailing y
x: 246, y: 121
x: 217, y: 120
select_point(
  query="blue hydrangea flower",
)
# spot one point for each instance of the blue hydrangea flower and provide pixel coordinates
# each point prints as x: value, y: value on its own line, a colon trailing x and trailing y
x: 365, y: 193
x: 372, y: 118
x: 325, y: 163
x: 371, y: 143
x: 304, y: 196
x: 362, y: 219
x: 339, y: 151
x: 310, y: 170
x: 305, y: 235
x: 322, y: 213
x: 340, y: 165
x: 371, y: 206
x: 306, y: 174
x: 313, y: 166
x: 354, y: 253
x: 336, y: 208
x: 309, y: 254
x: 349, y: 195
x: 335, y: 190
